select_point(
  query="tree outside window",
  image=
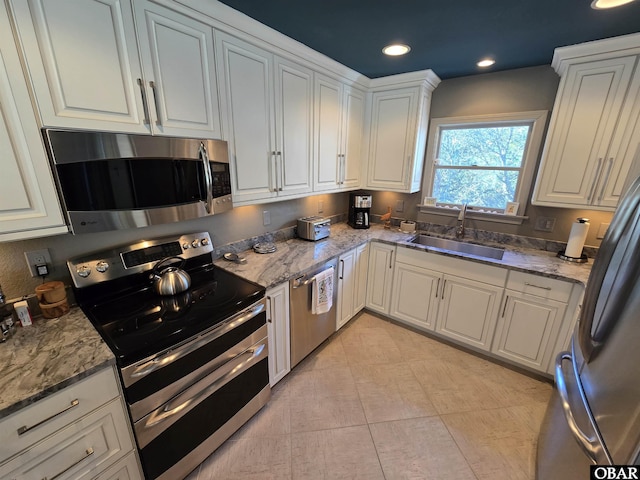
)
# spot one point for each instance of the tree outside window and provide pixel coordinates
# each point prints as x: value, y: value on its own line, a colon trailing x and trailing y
x: 484, y: 162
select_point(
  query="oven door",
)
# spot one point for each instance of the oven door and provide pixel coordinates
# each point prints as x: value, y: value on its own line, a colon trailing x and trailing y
x: 176, y: 437
x: 153, y: 381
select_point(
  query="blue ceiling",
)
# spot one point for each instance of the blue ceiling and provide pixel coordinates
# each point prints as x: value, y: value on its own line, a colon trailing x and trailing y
x: 447, y: 36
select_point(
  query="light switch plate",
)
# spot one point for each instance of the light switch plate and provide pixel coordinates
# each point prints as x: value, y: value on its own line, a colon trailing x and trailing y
x: 400, y: 206
x: 266, y: 218
x: 545, y: 224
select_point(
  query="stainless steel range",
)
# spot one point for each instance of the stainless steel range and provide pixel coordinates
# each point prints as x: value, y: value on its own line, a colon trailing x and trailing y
x: 193, y: 363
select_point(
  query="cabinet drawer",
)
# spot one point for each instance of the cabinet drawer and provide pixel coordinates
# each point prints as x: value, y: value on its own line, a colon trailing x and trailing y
x: 55, y: 411
x: 78, y: 451
x: 540, y: 286
x: 125, y: 469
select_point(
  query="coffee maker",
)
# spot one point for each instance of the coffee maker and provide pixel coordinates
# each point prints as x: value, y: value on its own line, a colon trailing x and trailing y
x: 359, y: 209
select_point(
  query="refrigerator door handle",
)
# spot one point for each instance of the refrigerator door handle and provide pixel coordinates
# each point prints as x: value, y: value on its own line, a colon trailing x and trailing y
x: 590, y: 445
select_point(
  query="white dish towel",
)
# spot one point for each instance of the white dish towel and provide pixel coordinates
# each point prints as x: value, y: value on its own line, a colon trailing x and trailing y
x: 322, y: 296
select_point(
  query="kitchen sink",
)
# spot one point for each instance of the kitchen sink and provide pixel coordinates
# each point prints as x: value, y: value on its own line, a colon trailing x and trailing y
x: 461, y: 247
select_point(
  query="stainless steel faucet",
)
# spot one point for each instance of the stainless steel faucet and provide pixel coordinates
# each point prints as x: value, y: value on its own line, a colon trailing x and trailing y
x: 461, y: 218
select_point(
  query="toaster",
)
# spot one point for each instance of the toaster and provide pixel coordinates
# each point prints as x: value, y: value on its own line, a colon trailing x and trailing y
x: 314, y: 228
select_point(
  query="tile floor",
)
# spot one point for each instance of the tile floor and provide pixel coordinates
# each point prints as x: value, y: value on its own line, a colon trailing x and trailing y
x: 378, y: 401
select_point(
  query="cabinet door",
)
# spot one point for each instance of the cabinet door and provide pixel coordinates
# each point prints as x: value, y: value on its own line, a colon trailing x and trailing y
x: 29, y: 204
x: 586, y: 112
x: 178, y: 61
x: 352, y: 137
x: 527, y: 329
x: 248, y: 100
x: 362, y: 264
x: 415, y: 295
x: 82, y: 58
x: 468, y: 311
x: 623, y: 157
x: 346, y: 287
x: 328, y: 94
x: 80, y: 450
x: 392, y: 136
x: 380, y: 277
x: 278, y: 332
x: 294, y: 117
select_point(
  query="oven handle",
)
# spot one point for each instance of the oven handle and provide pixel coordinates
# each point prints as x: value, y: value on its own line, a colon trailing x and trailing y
x: 146, y: 368
x: 170, y: 412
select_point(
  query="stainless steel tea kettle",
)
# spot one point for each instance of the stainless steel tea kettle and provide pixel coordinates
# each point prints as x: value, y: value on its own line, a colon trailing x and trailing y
x: 170, y: 280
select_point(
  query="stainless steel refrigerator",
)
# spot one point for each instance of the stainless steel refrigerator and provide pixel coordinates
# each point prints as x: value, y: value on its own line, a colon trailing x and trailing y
x: 594, y: 414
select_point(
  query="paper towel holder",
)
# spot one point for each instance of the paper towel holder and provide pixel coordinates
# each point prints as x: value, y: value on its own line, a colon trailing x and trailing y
x: 582, y: 258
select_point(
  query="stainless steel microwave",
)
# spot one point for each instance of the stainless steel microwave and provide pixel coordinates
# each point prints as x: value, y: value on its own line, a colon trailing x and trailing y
x: 114, y: 181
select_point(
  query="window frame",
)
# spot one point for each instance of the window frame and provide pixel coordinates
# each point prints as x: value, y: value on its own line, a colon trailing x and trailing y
x: 536, y: 118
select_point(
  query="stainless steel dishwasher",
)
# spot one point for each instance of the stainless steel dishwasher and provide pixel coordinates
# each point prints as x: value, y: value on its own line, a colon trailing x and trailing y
x: 309, y: 330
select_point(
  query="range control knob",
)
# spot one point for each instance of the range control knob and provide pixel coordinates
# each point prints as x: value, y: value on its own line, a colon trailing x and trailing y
x: 102, y: 266
x: 204, y: 242
x: 186, y: 246
x: 83, y: 271
x: 195, y: 243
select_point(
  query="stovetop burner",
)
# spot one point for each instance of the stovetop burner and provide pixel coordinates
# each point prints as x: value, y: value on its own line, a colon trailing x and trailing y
x: 136, y: 322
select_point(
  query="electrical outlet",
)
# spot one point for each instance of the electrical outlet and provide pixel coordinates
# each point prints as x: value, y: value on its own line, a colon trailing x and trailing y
x: 266, y: 218
x: 545, y: 224
x: 400, y: 206
x: 37, y: 257
x: 602, y: 230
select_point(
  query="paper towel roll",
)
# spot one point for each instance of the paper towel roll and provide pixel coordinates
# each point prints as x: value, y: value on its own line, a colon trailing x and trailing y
x: 577, y: 237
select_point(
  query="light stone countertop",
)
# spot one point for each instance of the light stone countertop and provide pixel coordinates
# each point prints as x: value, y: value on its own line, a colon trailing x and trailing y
x: 294, y: 256
x: 52, y: 354
x: 48, y: 356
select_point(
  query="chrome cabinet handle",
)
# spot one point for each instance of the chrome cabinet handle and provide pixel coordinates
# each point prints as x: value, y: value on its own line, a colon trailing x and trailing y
x: 147, y: 119
x: 595, y: 180
x: 88, y: 452
x: 152, y: 84
x: 279, y: 171
x: 536, y: 286
x: 444, y: 285
x: 589, y: 445
x: 437, y: 288
x: 24, y: 429
x: 273, y: 172
x: 504, y: 309
x: 342, y: 269
x: 391, y: 259
x: 606, y: 179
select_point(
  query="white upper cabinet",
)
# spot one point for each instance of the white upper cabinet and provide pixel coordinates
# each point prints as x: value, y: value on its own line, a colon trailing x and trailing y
x: 178, y: 62
x: 339, y: 134
x: 594, y: 134
x: 29, y: 206
x: 269, y: 119
x: 86, y: 72
x: 399, y: 121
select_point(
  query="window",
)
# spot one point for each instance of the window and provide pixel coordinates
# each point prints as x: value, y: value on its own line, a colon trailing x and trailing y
x: 484, y: 161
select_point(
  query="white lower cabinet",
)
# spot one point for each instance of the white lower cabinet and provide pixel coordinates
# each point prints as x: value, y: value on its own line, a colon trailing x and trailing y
x: 352, y: 282
x: 380, y: 277
x: 526, y: 328
x: 80, y: 432
x: 278, y: 332
x: 463, y: 301
x: 468, y: 311
x: 415, y: 295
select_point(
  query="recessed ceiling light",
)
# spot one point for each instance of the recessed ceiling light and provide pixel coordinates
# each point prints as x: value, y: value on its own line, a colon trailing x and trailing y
x: 396, y: 49
x: 487, y: 62
x: 602, y: 4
